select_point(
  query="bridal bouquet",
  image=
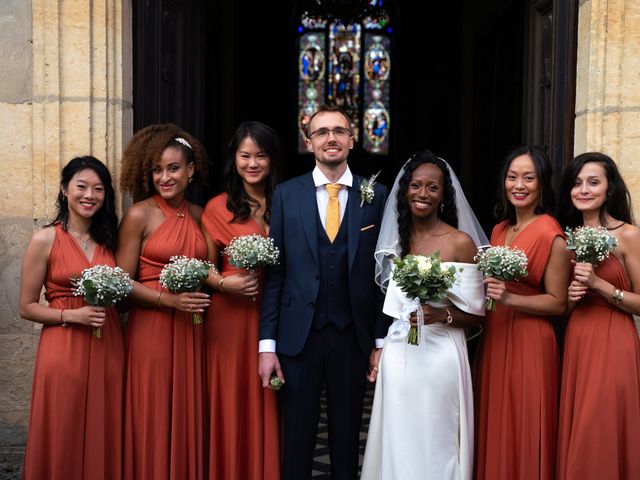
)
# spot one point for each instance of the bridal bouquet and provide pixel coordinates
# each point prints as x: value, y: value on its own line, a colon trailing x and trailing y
x: 252, y: 251
x: 185, y: 274
x: 591, y: 244
x: 102, y: 286
x: 425, y: 279
x: 503, y: 263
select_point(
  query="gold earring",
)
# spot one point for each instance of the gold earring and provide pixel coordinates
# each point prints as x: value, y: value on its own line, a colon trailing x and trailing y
x: 190, y: 179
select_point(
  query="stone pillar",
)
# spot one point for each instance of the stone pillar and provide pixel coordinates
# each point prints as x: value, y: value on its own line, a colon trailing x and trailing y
x: 608, y: 85
x: 66, y: 90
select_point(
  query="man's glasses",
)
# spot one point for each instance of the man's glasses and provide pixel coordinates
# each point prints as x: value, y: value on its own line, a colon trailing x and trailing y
x: 323, y: 133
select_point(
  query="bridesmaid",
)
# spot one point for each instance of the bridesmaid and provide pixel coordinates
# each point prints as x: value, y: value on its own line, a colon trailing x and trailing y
x: 163, y: 396
x: 75, y: 427
x: 599, y: 428
x: 243, y: 423
x: 518, y: 364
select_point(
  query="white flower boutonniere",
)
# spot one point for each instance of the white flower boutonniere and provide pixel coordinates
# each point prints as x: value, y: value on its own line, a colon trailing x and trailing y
x: 366, y: 189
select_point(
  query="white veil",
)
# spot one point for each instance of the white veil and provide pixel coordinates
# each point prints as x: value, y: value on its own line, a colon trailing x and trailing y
x: 388, y: 246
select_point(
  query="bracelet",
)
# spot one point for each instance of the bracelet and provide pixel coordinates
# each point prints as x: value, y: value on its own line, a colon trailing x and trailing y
x: 62, y: 320
x: 158, y: 299
x: 449, y: 319
x: 221, y: 285
x: 618, y: 296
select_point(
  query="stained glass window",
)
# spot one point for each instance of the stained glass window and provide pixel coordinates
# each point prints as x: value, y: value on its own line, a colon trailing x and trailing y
x: 347, y: 65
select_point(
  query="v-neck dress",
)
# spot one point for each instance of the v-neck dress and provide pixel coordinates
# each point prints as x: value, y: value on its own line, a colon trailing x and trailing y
x: 599, y: 427
x: 75, y: 425
x: 242, y: 416
x: 517, y: 375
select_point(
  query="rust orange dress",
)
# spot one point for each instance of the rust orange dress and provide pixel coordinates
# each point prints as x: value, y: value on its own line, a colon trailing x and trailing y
x: 163, y: 396
x: 243, y: 416
x: 599, y: 427
x: 75, y: 425
x: 517, y: 373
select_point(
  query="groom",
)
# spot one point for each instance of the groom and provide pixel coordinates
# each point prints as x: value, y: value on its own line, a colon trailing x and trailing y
x: 321, y: 309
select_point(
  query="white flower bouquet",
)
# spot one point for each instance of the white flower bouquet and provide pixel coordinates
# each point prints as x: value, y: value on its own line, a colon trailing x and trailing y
x: 102, y: 286
x: 252, y: 251
x: 503, y: 263
x: 185, y: 274
x: 591, y: 244
x: 424, y: 278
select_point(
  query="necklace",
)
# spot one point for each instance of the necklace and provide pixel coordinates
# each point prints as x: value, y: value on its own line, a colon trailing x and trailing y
x: 83, y: 243
x: 517, y: 228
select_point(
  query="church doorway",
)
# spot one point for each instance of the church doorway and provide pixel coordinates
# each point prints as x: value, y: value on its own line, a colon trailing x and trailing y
x: 469, y: 80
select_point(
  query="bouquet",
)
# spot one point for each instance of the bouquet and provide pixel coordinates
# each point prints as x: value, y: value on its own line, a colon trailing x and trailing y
x: 503, y: 263
x: 591, y: 244
x: 184, y: 274
x: 424, y: 279
x: 102, y: 286
x: 252, y: 251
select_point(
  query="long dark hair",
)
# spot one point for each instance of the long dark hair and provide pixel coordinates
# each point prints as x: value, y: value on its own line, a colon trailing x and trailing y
x: 239, y: 202
x: 617, y: 203
x: 503, y: 209
x: 449, y: 213
x: 104, y: 224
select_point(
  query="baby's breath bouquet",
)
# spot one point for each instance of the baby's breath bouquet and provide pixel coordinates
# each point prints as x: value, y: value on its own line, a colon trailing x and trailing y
x: 102, y: 286
x: 503, y: 263
x: 185, y: 274
x: 591, y: 244
x: 424, y: 278
x: 252, y: 251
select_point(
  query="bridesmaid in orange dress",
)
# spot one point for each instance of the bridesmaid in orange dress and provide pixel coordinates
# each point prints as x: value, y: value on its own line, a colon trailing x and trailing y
x: 518, y: 366
x: 75, y: 426
x: 599, y: 428
x: 243, y: 416
x: 163, y: 436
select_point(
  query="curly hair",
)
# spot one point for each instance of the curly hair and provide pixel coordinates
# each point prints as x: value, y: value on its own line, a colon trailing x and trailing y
x: 618, y: 201
x: 449, y: 212
x: 503, y: 209
x: 104, y: 224
x: 146, y: 147
x: 239, y: 202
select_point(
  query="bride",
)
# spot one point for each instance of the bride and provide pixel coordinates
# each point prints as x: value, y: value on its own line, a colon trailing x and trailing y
x: 422, y: 418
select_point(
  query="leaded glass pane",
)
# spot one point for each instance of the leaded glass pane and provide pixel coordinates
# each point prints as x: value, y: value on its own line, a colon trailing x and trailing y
x: 311, y: 76
x: 376, y: 119
x: 343, y: 88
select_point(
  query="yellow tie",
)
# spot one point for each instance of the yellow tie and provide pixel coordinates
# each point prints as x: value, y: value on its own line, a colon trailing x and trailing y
x: 332, y: 223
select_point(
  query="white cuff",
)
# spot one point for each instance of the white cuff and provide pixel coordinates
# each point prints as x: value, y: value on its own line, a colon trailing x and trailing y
x: 267, y: 346
x: 379, y: 342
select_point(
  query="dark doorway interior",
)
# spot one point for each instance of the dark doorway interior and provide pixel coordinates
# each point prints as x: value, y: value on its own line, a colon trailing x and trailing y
x: 470, y: 80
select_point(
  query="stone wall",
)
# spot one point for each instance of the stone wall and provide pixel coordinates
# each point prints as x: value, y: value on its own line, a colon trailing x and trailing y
x: 608, y: 85
x: 65, y: 90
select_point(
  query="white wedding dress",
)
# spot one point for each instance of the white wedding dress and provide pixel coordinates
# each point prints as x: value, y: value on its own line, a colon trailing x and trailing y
x: 422, y: 417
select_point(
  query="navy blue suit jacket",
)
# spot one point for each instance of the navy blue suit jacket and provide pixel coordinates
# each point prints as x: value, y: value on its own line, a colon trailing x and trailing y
x: 290, y: 289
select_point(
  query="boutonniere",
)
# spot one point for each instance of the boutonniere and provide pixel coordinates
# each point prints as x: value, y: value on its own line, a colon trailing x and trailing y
x: 366, y: 189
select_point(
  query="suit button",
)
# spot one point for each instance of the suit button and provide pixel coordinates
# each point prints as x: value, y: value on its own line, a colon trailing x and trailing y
x: 317, y: 276
x: 331, y: 251
x: 331, y: 267
x: 311, y: 304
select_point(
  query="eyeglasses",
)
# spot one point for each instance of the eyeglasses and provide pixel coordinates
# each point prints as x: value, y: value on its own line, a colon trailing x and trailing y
x: 338, y: 132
